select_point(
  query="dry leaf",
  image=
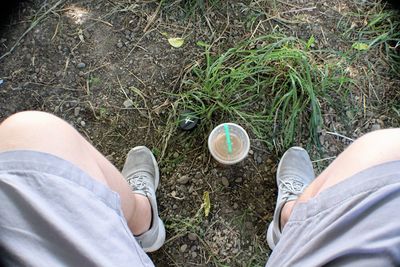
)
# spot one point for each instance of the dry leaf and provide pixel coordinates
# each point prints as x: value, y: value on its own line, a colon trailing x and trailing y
x: 176, y: 42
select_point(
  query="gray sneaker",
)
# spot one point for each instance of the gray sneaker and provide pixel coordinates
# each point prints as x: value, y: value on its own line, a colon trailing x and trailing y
x: 141, y: 172
x: 295, y: 172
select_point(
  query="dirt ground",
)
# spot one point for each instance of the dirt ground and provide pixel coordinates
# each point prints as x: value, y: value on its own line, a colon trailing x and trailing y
x: 106, y: 67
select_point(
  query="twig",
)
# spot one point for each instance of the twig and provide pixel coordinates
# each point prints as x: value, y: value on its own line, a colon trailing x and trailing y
x: 102, y: 66
x: 319, y: 160
x: 340, y: 135
x: 33, y: 25
x: 299, y: 10
x: 102, y: 21
x: 152, y: 18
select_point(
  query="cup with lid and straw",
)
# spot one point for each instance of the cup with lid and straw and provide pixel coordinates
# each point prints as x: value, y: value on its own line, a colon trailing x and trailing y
x: 228, y: 143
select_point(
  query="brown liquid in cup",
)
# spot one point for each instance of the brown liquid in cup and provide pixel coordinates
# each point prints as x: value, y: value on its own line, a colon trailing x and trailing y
x: 221, y: 147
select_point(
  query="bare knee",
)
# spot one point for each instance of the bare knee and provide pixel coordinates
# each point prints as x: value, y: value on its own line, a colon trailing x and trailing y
x: 37, y: 131
x: 380, y: 142
x: 26, y: 119
x: 385, y: 133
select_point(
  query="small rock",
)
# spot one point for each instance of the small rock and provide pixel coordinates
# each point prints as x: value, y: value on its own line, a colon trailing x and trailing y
x: 191, y: 189
x: 322, y: 139
x: 375, y: 127
x: 76, y: 111
x: 183, y: 248
x: 251, y: 152
x: 120, y: 45
x: 225, y: 181
x: 81, y: 65
x: 184, y: 179
x: 83, y: 123
x: 248, y: 225
x: 194, y: 254
x: 87, y: 34
x: 192, y: 237
x: 239, y: 180
x: 128, y: 103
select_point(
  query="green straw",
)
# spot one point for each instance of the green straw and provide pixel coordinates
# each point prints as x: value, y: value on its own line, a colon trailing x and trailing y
x: 228, y: 138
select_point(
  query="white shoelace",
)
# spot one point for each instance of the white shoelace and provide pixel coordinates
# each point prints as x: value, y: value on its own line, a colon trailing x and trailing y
x: 292, y: 186
x: 138, y: 183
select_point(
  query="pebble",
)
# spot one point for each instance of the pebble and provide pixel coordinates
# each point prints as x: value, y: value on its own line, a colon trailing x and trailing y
x: 192, y: 237
x: 225, y: 181
x: 183, y: 248
x: 375, y: 127
x: 184, y: 179
x: 76, y: 111
x: 81, y: 65
x: 128, y: 103
x: 194, y: 254
x: 120, y: 45
x: 322, y: 139
x: 191, y: 189
x: 197, y: 175
x: 239, y: 180
x: 83, y: 123
x: 248, y: 225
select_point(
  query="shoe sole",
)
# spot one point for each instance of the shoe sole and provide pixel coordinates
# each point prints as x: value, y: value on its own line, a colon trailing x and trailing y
x: 160, y: 237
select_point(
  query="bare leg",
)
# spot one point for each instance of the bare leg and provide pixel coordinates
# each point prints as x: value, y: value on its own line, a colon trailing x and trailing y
x: 33, y: 130
x: 371, y: 149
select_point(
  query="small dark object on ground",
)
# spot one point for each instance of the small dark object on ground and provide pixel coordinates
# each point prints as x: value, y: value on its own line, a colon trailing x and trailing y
x: 187, y: 120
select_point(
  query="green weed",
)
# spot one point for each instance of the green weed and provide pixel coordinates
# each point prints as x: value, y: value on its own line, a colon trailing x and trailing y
x: 376, y: 27
x: 271, y: 84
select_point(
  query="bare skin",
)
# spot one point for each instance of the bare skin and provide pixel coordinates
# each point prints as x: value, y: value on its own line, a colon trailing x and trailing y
x: 371, y: 149
x: 40, y: 131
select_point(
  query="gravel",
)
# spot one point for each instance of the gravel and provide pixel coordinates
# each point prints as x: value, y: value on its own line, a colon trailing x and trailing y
x: 183, y: 179
x: 81, y: 65
x: 225, y: 181
x: 128, y: 103
x: 76, y: 111
x: 183, y: 248
x: 192, y: 237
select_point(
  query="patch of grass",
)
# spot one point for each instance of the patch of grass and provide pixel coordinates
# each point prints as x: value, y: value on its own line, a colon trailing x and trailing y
x: 271, y: 84
x: 377, y: 27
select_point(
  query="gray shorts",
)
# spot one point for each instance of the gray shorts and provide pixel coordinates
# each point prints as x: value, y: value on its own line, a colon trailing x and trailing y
x: 54, y: 214
x: 353, y: 223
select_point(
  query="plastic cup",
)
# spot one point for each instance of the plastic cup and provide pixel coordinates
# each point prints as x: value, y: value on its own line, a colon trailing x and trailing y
x: 229, y: 150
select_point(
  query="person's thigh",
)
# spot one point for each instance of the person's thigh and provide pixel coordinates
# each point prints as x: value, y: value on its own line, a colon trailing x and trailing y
x: 352, y: 223
x: 40, y: 131
x: 370, y: 150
